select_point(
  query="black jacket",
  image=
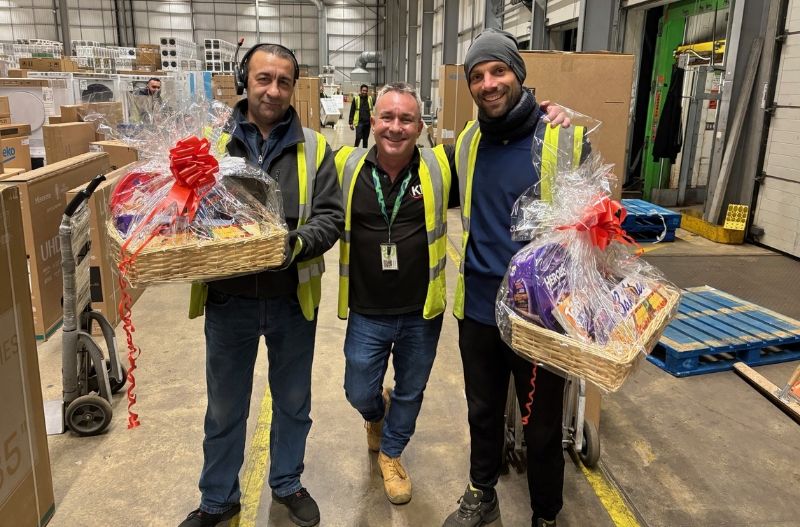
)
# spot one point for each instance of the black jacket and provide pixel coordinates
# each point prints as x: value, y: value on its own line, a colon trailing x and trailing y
x: 278, y: 155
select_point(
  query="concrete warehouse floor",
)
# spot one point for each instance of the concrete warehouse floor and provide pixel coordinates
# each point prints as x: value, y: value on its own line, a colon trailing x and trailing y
x: 698, y: 451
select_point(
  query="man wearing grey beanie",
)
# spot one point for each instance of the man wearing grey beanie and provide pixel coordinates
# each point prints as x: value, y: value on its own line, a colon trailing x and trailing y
x: 493, y: 163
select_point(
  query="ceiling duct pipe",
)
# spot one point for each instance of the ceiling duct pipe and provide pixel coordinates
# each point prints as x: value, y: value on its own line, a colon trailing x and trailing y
x: 360, y: 75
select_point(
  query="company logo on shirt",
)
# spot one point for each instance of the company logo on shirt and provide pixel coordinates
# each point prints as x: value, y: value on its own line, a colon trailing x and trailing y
x: 416, y: 191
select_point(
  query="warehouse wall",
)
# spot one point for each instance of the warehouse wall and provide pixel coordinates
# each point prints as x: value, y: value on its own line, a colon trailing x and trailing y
x: 352, y: 30
x: 27, y: 19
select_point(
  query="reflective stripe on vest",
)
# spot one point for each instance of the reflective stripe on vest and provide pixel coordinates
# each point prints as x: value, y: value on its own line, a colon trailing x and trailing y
x: 309, y: 272
x: 357, y: 102
x: 552, y: 162
x: 434, y: 174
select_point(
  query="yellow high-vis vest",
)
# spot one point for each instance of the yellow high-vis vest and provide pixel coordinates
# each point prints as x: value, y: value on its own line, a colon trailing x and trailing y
x: 434, y: 176
x: 466, y: 155
x: 357, y: 102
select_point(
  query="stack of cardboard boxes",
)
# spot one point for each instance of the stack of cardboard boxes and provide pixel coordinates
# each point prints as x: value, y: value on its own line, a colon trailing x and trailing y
x: 26, y: 488
x: 223, y: 88
x: 62, y: 141
x: 306, y: 101
x: 456, y: 106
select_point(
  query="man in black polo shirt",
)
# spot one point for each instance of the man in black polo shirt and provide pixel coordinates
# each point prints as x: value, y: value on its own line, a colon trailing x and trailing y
x: 392, y: 257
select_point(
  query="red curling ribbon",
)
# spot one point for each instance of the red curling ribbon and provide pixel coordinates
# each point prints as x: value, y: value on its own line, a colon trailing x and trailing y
x: 603, y: 222
x: 194, y: 169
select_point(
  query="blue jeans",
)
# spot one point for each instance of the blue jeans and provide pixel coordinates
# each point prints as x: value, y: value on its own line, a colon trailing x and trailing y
x: 233, y: 328
x: 412, y: 341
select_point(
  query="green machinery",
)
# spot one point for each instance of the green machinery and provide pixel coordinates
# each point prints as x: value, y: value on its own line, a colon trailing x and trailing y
x: 671, y: 31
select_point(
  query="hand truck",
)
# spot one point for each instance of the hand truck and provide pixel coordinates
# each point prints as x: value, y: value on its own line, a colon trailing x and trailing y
x: 88, y: 379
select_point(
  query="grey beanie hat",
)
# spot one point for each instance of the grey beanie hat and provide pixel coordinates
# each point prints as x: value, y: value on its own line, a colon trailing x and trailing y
x: 495, y: 44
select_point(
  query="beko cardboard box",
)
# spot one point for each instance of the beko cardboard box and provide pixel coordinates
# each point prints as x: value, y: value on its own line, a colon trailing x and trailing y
x: 595, y: 84
x: 16, y: 152
x: 119, y: 153
x: 26, y: 488
x: 65, y: 140
x: 42, y: 194
x: 104, y: 284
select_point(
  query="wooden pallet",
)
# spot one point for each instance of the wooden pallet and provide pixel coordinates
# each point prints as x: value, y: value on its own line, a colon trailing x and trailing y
x: 646, y: 221
x: 714, y: 329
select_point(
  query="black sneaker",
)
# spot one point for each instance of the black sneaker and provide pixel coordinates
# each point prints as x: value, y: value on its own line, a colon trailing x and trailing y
x: 198, y: 518
x: 472, y: 512
x: 541, y: 522
x: 303, y: 509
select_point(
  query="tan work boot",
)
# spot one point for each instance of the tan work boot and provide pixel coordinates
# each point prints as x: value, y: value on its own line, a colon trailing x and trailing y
x: 396, y: 481
x: 375, y: 430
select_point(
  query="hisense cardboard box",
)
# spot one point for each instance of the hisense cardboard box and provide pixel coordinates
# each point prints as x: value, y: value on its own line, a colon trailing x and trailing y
x: 26, y: 488
x: 594, y: 84
x: 104, y: 284
x: 16, y: 153
x: 62, y: 141
x: 43, y: 193
x: 119, y: 153
x: 455, y: 103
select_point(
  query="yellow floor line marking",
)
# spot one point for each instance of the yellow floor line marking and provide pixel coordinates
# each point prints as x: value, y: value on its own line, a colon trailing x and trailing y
x: 256, y: 465
x: 610, y: 498
x: 453, y: 253
x: 607, y: 493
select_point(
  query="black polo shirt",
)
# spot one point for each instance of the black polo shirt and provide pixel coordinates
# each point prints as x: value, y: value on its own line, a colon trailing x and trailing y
x: 374, y: 291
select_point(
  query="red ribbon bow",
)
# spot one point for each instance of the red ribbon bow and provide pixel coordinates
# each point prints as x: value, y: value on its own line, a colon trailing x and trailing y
x: 603, y: 221
x: 193, y: 168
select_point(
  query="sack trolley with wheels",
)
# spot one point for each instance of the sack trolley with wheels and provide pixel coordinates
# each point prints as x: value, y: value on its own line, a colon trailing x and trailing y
x: 88, y: 378
x: 579, y: 435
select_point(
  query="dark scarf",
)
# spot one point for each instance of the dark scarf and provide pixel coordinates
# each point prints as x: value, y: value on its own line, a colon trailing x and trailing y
x: 517, y: 123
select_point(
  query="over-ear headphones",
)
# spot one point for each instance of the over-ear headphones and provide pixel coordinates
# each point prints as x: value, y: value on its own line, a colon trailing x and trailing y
x: 240, y: 70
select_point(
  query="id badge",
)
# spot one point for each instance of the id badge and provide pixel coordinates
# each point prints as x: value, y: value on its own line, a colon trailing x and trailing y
x: 389, y: 256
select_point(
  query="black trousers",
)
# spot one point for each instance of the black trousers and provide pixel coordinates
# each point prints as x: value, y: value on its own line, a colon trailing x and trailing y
x: 362, y: 133
x: 488, y: 361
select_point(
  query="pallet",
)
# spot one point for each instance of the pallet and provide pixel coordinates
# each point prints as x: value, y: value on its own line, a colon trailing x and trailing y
x: 714, y: 329
x: 646, y: 221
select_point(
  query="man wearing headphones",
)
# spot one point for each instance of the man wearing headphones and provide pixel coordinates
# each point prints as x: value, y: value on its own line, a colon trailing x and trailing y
x: 280, y: 305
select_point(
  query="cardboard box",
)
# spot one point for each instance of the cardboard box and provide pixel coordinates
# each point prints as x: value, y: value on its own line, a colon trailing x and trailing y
x: 69, y: 113
x: 62, y: 141
x: 16, y: 153
x: 104, y: 284
x: 305, y: 100
x: 43, y: 193
x: 26, y: 492
x: 14, y: 130
x: 5, y: 120
x: 15, y: 73
x: 11, y: 172
x: 564, y: 77
x: 5, y: 108
x: 455, y: 103
x: 47, y: 64
x: 119, y: 153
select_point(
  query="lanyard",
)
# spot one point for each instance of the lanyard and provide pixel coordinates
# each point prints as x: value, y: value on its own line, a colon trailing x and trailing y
x: 397, y: 201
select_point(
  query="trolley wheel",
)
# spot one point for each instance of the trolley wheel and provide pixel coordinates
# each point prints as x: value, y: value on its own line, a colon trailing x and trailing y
x: 94, y: 386
x: 590, y: 452
x: 88, y: 415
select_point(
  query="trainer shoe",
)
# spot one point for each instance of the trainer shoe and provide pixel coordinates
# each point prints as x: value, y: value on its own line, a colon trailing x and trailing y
x: 396, y: 482
x: 199, y: 518
x: 472, y: 512
x: 303, y: 509
x: 375, y: 430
